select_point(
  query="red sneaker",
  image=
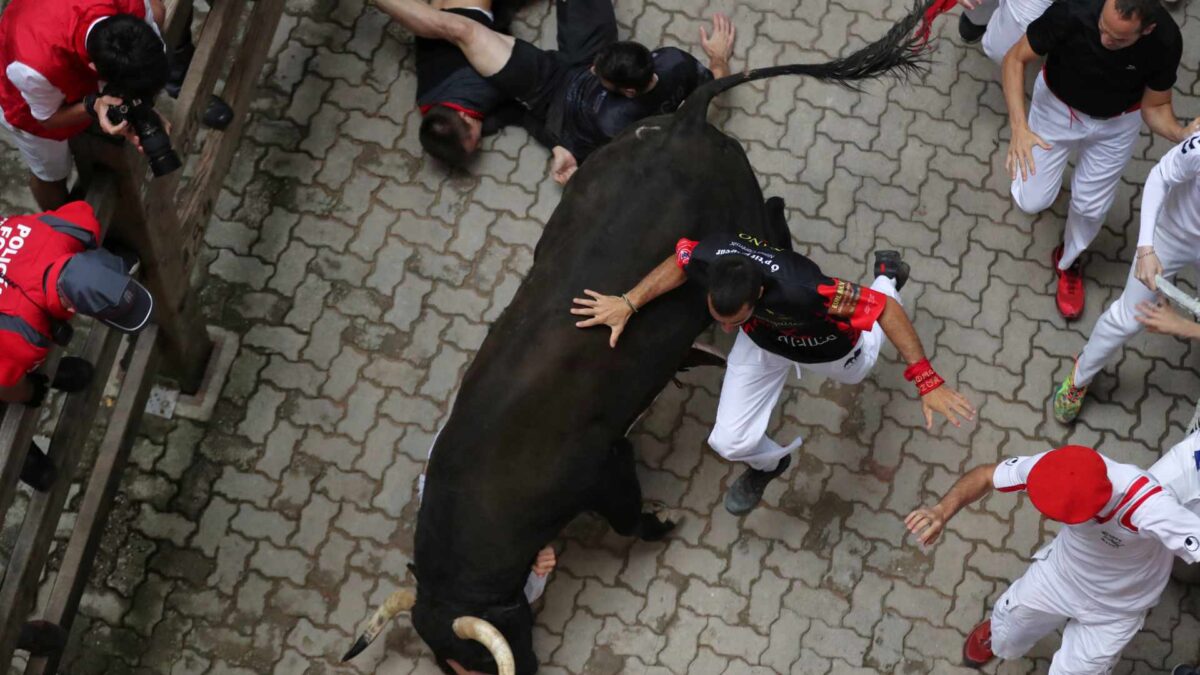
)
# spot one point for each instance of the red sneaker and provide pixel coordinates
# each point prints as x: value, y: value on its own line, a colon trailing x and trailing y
x: 1069, y: 296
x: 977, y: 650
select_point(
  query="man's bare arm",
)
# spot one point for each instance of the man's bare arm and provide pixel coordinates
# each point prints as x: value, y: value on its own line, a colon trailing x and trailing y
x: 943, y: 400
x: 719, y: 45
x: 1159, y: 113
x: 1012, y: 79
x: 899, y: 330
x: 69, y: 115
x: 614, y: 310
x: 487, y: 50
x: 927, y: 523
x: 662, y: 279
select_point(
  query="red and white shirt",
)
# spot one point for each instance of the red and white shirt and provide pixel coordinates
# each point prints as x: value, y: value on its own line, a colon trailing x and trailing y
x: 1122, y: 558
x: 1179, y: 471
x: 33, y: 251
x: 44, y: 59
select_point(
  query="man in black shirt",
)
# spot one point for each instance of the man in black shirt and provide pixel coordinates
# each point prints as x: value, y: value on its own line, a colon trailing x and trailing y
x: 458, y: 106
x: 552, y: 85
x: 628, y: 82
x: 1105, y: 59
x: 792, y: 316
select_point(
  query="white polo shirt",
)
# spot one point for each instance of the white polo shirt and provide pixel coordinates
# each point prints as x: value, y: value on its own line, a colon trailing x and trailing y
x: 1122, y: 558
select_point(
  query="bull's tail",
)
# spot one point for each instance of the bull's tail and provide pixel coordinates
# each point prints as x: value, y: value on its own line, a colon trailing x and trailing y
x: 902, y: 52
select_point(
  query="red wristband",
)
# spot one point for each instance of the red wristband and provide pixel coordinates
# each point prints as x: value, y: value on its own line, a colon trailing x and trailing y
x: 923, y: 375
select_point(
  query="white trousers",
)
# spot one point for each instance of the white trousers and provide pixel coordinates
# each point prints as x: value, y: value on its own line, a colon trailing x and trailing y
x: 1038, y: 604
x: 48, y: 159
x: 1006, y: 21
x: 1119, y: 321
x: 754, y: 378
x: 1104, y: 148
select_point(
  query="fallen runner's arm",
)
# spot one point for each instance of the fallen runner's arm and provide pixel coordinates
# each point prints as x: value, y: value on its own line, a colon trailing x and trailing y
x: 934, y: 396
x: 719, y: 45
x: 487, y: 50
x: 927, y: 523
x: 614, y: 310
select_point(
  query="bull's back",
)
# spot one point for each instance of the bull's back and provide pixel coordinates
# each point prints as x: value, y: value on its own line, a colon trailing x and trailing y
x: 620, y: 216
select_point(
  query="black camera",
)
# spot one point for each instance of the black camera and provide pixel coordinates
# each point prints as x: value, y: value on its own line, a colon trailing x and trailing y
x: 139, y: 112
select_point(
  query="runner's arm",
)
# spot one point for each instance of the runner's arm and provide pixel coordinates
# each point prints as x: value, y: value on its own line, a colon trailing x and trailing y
x: 1019, y: 158
x: 940, y: 399
x: 719, y: 45
x: 487, y: 50
x: 927, y: 523
x: 1171, y: 523
x: 614, y: 310
x: 1178, y: 166
x: 896, y: 326
x: 1158, y: 111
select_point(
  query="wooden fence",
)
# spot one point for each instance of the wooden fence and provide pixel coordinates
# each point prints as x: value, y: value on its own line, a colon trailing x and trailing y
x: 163, y: 219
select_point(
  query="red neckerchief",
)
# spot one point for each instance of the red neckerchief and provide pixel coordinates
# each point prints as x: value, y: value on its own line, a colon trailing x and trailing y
x: 453, y: 106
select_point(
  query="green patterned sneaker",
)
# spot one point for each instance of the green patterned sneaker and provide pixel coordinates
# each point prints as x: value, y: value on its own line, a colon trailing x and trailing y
x: 1068, y: 400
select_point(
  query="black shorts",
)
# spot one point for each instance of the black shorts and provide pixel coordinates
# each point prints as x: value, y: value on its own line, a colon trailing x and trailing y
x: 532, y: 76
x: 535, y: 77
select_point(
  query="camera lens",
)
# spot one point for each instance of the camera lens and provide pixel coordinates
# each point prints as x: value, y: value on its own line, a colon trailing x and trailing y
x: 156, y: 144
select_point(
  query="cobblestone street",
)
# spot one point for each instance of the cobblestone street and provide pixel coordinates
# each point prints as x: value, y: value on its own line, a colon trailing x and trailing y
x: 362, y: 279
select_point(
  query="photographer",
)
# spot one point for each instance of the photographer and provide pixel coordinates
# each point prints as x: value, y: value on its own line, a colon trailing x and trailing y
x: 54, y: 58
x: 50, y: 269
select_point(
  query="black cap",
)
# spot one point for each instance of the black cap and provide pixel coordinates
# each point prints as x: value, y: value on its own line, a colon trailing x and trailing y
x: 98, y: 285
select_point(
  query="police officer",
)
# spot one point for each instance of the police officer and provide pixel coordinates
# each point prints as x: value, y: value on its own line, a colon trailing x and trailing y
x: 51, y: 269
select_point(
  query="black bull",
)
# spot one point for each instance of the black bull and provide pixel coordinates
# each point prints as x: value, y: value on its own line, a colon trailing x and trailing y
x: 535, y: 436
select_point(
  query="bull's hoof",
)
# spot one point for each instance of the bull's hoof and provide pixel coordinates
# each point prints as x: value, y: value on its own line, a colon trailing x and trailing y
x: 657, y: 523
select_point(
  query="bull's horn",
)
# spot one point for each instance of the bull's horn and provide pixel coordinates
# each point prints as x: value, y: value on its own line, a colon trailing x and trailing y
x: 472, y: 628
x: 400, y: 601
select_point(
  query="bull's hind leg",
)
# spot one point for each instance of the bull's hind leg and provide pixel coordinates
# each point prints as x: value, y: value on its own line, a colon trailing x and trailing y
x: 621, y: 499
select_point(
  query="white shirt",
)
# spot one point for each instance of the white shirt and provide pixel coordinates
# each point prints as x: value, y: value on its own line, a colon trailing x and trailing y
x: 1121, y: 559
x: 44, y: 98
x: 1179, y: 472
x: 1172, y: 189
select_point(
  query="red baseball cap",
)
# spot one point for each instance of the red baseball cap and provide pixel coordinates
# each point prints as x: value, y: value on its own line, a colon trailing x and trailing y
x: 1069, y: 484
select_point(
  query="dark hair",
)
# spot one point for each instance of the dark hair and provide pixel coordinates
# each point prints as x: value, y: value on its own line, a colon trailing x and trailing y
x: 1144, y: 9
x: 442, y: 135
x: 627, y: 65
x: 129, y: 55
x: 733, y: 282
